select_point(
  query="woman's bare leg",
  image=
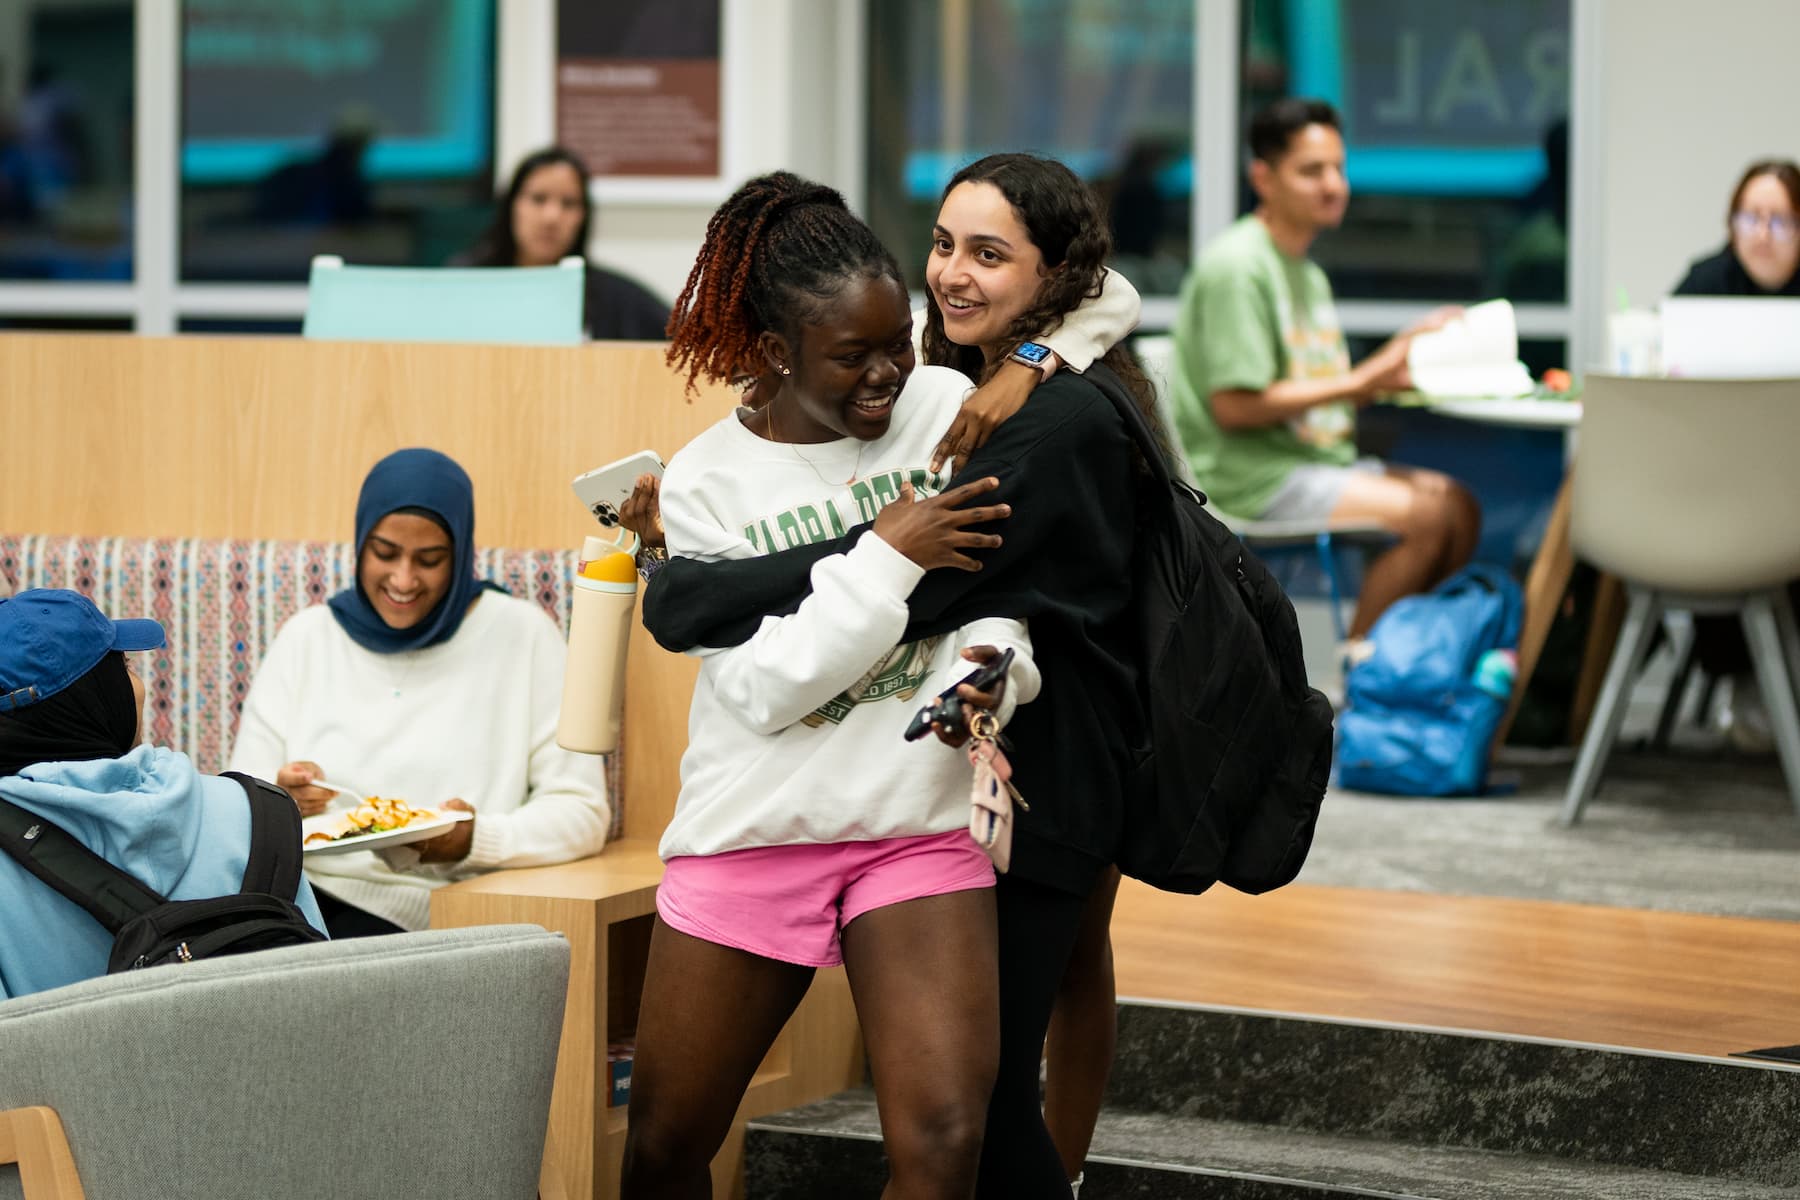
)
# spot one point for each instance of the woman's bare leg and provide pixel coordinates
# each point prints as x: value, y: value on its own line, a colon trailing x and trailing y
x: 925, y: 978
x: 709, y: 1015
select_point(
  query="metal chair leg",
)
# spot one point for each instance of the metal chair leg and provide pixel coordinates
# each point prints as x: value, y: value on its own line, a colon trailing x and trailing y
x: 1328, y: 560
x: 1789, y: 629
x: 1615, y: 694
x: 1774, y: 674
x: 1709, y: 688
x: 1686, y: 655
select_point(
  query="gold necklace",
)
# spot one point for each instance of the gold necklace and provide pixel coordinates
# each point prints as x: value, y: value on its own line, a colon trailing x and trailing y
x: 855, y: 472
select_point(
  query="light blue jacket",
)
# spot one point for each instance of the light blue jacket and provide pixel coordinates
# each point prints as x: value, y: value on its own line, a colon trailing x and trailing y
x: 184, y: 834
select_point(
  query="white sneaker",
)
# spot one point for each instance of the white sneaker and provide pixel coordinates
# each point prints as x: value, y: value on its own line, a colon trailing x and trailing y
x: 1745, y: 719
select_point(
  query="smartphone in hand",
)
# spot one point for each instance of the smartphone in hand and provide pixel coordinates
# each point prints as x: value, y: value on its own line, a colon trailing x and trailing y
x: 604, y: 490
x: 947, y: 709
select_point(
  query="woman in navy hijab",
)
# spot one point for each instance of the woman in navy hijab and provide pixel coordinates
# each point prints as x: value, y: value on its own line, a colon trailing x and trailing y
x: 423, y: 683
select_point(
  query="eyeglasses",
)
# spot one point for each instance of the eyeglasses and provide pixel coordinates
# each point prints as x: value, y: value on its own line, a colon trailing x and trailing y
x: 1781, y: 229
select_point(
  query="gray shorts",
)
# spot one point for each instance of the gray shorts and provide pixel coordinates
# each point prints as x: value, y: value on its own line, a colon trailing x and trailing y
x: 1312, y: 490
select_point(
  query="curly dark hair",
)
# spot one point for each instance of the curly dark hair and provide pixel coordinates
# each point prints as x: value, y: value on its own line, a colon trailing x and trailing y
x: 776, y: 256
x: 1063, y: 218
x: 497, y: 247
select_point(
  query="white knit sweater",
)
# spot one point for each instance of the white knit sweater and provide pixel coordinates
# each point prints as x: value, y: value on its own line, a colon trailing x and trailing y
x: 472, y: 718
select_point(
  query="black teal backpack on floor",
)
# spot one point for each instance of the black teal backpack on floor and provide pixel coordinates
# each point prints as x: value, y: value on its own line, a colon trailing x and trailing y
x: 1239, y: 746
x: 149, y: 930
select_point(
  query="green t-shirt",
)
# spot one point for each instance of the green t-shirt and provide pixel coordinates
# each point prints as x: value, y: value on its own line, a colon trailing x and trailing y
x: 1249, y: 316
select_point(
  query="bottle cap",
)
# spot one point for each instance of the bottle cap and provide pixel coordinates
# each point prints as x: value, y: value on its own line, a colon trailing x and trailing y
x: 617, y: 567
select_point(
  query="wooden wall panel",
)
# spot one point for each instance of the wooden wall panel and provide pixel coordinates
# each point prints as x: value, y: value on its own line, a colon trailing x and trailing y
x: 270, y: 438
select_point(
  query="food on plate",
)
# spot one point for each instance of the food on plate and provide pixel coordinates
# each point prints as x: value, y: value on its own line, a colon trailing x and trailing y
x: 1558, y: 380
x: 378, y: 814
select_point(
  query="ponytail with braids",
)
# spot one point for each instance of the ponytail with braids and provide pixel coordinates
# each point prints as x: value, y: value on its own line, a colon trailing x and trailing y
x: 776, y: 254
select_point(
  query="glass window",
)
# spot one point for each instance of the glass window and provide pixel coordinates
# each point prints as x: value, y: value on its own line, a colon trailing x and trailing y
x: 361, y: 128
x: 1107, y: 86
x: 23, y: 321
x: 66, y: 135
x: 257, y: 326
x: 1456, y: 127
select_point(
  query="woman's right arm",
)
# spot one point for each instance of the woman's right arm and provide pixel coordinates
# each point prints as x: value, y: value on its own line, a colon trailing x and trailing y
x: 261, y: 748
x: 706, y: 602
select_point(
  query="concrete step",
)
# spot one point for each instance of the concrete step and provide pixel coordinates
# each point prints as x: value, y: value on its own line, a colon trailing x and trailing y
x: 1535, y: 1097
x: 833, y: 1148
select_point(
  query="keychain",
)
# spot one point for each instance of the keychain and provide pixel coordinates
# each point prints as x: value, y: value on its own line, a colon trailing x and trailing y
x: 992, y: 796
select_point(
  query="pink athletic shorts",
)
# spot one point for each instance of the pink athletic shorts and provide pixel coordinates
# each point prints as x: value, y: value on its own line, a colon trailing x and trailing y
x: 791, y: 902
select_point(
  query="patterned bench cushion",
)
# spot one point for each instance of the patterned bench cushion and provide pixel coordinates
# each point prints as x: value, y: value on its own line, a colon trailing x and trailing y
x: 221, y: 603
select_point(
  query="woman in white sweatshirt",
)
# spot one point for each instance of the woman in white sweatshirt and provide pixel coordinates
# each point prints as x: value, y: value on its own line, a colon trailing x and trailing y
x: 808, y: 831
x: 423, y: 683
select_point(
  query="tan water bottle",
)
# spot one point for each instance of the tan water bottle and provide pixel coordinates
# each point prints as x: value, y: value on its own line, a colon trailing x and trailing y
x: 605, y: 593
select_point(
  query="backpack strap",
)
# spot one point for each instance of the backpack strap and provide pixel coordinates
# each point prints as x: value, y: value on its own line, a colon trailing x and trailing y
x: 273, y: 866
x: 111, y: 896
x: 1137, y: 425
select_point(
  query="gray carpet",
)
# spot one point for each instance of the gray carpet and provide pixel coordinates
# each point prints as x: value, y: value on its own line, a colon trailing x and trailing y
x: 1692, y: 831
x: 1700, y: 828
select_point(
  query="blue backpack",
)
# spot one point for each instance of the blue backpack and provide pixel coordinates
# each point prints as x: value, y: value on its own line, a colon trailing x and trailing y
x: 1424, y: 706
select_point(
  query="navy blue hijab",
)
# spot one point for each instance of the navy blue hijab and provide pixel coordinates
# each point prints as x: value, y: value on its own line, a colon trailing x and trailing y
x: 425, y: 479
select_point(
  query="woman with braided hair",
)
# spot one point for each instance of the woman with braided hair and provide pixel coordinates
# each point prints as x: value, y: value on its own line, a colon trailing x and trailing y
x: 808, y: 831
x: 1019, y: 249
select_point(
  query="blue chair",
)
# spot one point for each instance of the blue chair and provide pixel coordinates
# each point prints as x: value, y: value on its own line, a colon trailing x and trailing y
x: 531, y: 305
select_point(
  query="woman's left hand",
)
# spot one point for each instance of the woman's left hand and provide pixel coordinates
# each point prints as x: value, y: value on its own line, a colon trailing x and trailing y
x: 453, y: 844
x: 983, y: 412
x: 972, y: 699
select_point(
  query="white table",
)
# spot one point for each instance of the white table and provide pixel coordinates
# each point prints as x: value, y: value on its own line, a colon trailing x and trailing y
x: 1521, y: 412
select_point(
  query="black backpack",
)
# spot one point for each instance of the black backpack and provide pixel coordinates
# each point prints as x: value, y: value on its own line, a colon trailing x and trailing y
x: 1239, y: 746
x: 149, y: 930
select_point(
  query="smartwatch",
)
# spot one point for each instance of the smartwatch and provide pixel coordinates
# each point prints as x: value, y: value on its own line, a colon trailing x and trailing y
x: 1037, y: 355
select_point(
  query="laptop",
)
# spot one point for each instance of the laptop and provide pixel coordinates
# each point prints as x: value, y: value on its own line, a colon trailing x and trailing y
x: 1731, y: 337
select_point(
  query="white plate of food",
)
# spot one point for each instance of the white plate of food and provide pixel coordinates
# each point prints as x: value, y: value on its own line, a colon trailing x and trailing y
x: 377, y: 824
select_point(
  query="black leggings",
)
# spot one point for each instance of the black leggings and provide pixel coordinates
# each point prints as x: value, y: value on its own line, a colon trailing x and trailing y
x: 1038, y: 925
x: 348, y: 921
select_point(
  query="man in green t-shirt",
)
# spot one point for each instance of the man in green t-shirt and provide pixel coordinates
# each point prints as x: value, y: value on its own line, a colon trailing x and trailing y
x: 1262, y: 388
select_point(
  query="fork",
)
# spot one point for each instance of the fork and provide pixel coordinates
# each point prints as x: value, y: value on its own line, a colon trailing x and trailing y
x: 355, y: 798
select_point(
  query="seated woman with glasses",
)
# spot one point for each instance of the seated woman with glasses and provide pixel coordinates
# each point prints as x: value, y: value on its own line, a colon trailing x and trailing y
x: 1762, y: 255
x: 1762, y: 258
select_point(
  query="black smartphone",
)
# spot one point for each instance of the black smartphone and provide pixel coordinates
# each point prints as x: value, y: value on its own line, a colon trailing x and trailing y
x: 946, y: 710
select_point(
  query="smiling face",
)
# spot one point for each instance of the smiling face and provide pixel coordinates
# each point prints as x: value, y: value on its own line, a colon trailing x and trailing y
x: 984, y: 270
x: 1763, y: 233
x: 1306, y: 187
x: 848, y: 369
x: 405, y: 568
x: 547, y: 214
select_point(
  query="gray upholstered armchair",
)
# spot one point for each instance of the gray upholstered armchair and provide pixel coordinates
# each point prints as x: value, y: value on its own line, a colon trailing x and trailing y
x: 413, y: 1065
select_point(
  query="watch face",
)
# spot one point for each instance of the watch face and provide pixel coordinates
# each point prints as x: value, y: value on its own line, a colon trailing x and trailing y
x: 1031, y: 352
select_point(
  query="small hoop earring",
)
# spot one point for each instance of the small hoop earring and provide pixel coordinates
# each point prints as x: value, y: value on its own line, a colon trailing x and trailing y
x: 785, y: 371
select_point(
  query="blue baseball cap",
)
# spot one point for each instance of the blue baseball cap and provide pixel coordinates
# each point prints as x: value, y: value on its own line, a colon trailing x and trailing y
x: 50, y: 637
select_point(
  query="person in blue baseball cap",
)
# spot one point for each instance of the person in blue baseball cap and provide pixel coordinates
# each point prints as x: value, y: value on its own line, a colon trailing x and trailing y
x: 70, y: 724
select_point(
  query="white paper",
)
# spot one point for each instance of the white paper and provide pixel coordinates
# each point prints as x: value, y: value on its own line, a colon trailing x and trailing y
x: 1475, y: 355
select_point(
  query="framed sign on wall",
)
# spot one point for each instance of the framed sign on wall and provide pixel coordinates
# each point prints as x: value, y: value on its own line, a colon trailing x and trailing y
x: 643, y: 95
